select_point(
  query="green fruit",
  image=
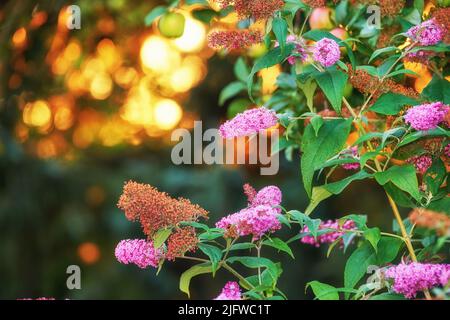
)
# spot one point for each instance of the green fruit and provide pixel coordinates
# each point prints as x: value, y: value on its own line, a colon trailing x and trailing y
x: 171, y: 25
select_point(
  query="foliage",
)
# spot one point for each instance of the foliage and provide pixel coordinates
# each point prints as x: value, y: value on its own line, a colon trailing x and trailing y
x: 367, y: 134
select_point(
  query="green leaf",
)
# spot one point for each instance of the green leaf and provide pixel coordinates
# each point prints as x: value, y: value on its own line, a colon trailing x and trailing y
x: 404, y: 177
x: 378, y: 52
x: 309, y: 88
x: 317, y: 123
x: 279, y: 244
x: 387, y: 296
x: 161, y: 236
x: 196, y: 270
x: 358, y: 219
x: 255, y: 262
x: 321, y: 193
x: 437, y: 90
x: 358, y: 263
x: 419, y: 5
x: 332, y: 83
x: 242, y: 246
x: 435, y: 176
x: 313, y: 226
x: 241, y: 70
x: 414, y: 136
x: 154, y: 14
x: 365, y: 256
x: 391, y: 103
x: 317, y: 149
x: 230, y: 91
x: 339, y: 186
x: 214, y: 254
x: 373, y: 235
x: 323, y: 291
x: 280, y: 29
x: 271, y: 58
x: 204, y: 15
x: 388, y: 248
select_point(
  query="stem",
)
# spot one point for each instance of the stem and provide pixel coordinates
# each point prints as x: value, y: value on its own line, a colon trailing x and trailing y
x: 384, y: 77
x: 406, y: 237
x: 237, y: 275
x: 258, y: 254
x: 225, y: 266
x: 304, y: 22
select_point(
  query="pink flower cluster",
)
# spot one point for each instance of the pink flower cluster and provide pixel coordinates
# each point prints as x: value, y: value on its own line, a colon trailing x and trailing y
x: 248, y: 122
x: 447, y: 150
x: 352, y: 153
x: 328, y: 237
x: 414, y: 277
x: 299, y: 53
x: 267, y: 196
x: 426, y: 116
x: 231, y: 291
x: 427, y: 33
x: 260, y: 217
x: 326, y: 52
x: 421, y: 163
x: 139, y: 252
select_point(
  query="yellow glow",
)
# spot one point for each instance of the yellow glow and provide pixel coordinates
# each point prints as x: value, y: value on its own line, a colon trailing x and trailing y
x: 167, y: 114
x: 101, y: 86
x: 269, y: 77
x: 46, y: 148
x: 109, y: 54
x: 72, y: 51
x: 193, y: 38
x: 184, y: 78
x: 63, y: 118
x: 76, y: 82
x: 125, y: 77
x: 416, y: 67
x: 37, y: 114
x: 138, y: 108
x: 92, y: 67
x: 19, y: 37
x: 158, y: 55
x: 422, y: 81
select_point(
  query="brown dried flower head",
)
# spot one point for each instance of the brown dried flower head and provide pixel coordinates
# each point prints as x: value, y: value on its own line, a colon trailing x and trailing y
x: 431, y: 220
x: 155, y: 209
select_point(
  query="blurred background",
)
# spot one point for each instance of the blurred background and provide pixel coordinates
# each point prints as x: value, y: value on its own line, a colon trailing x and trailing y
x: 83, y: 111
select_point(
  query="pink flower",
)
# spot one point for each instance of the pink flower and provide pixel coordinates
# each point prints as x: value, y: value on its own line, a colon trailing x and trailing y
x: 414, y: 277
x: 445, y: 277
x: 326, y: 52
x: 270, y: 195
x: 422, y: 163
x: 427, y: 33
x: 299, y: 53
x: 139, y: 252
x: 248, y: 122
x: 447, y: 150
x: 351, y: 153
x: 231, y: 291
x: 261, y: 215
x: 255, y: 221
x: 329, y: 237
x: 426, y: 116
